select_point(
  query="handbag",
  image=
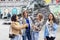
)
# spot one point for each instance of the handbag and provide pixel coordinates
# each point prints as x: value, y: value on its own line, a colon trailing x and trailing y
x: 12, y: 35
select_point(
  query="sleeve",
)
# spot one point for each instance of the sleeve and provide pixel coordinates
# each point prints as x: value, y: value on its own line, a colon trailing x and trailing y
x: 30, y: 21
x: 31, y: 24
x: 41, y: 24
x: 15, y: 26
x: 20, y: 21
x: 55, y: 26
x: 44, y: 31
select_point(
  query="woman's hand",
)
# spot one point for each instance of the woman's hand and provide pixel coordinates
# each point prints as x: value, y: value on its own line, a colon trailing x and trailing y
x: 24, y: 26
x: 51, y: 22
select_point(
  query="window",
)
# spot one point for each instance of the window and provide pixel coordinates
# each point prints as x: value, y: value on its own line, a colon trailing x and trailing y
x: 10, y: 0
x: 2, y: 0
x: 17, y: 0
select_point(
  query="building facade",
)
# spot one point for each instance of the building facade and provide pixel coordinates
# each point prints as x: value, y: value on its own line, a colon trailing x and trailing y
x: 13, y: 6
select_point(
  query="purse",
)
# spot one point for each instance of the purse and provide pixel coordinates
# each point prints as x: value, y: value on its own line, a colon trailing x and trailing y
x: 12, y: 35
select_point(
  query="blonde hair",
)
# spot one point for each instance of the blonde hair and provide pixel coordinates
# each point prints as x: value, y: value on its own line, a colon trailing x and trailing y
x: 40, y: 15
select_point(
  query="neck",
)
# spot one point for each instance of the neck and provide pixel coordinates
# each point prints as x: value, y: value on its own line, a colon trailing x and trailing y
x: 39, y: 20
x: 51, y: 20
x: 26, y: 17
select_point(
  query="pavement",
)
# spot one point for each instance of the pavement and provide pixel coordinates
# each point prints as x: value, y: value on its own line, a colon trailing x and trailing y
x: 4, y: 32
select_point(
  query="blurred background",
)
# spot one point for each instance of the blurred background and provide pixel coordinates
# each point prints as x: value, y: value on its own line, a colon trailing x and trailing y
x: 11, y: 7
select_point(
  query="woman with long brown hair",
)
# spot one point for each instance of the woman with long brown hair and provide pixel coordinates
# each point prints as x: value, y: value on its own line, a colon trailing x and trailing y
x: 50, y: 28
x: 27, y: 31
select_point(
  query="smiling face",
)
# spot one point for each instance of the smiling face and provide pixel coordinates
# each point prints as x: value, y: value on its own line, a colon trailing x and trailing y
x: 50, y: 16
x: 39, y: 17
x: 25, y: 14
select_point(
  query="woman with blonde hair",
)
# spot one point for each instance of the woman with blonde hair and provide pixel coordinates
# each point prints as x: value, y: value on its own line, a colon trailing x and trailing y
x: 37, y: 26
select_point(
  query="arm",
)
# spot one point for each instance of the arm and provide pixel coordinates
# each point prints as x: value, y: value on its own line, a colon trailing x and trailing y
x: 14, y: 26
x: 45, y: 32
x: 23, y: 26
x: 39, y: 27
x: 36, y: 28
x: 55, y: 26
x: 18, y: 27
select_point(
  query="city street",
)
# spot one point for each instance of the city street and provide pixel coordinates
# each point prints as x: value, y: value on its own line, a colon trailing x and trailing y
x: 4, y: 32
x: 35, y: 9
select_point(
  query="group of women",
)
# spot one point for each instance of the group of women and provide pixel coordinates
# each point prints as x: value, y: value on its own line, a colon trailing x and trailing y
x: 25, y: 29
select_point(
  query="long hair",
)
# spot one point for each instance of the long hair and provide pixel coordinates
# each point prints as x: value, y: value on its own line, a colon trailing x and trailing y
x: 54, y: 19
x: 24, y: 13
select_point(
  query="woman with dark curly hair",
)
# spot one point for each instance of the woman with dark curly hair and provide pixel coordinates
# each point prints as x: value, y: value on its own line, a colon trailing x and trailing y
x: 15, y: 31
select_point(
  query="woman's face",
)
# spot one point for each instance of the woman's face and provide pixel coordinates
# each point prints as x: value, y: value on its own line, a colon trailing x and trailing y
x: 50, y: 16
x: 25, y: 14
x: 38, y: 17
x: 17, y: 18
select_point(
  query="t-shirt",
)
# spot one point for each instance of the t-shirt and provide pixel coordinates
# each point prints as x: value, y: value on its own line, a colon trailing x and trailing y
x: 27, y: 28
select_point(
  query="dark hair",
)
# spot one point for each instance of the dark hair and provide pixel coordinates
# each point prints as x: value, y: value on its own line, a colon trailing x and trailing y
x: 54, y: 20
x: 13, y: 18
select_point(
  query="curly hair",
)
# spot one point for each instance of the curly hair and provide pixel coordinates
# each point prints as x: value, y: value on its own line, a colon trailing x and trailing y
x: 13, y: 18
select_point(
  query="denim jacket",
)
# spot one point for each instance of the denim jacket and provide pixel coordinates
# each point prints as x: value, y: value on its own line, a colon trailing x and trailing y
x: 46, y: 31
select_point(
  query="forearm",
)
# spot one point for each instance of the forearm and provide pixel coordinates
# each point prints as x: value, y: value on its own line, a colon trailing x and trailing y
x: 16, y: 28
x: 23, y: 26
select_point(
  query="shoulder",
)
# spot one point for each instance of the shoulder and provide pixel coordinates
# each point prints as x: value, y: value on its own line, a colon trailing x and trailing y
x: 47, y: 22
x: 29, y: 18
x: 14, y: 23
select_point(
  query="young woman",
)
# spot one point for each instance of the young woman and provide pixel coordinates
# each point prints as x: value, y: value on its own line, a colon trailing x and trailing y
x: 37, y: 27
x: 15, y: 31
x: 50, y: 28
x: 26, y: 33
